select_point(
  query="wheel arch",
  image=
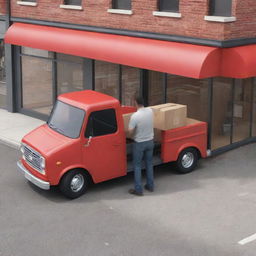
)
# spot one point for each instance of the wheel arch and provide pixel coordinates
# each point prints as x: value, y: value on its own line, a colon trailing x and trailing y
x: 187, y: 146
x: 67, y: 170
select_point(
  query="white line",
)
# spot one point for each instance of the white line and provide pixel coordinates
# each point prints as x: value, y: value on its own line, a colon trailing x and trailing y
x: 248, y: 239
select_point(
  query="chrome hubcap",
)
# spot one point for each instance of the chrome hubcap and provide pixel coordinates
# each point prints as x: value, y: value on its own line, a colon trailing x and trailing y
x: 187, y: 160
x: 77, y: 182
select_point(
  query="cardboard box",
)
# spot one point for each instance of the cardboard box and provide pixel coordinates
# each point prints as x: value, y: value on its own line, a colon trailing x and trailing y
x: 158, y: 107
x: 172, y: 116
x: 127, y: 118
x: 191, y: 121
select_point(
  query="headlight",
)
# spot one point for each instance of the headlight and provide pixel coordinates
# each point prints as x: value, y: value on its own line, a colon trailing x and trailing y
x: 42, y: 164
x: 22, y: 148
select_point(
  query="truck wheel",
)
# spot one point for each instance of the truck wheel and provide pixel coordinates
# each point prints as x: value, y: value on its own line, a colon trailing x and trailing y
x: 187, y: 160
x: 74, y: 183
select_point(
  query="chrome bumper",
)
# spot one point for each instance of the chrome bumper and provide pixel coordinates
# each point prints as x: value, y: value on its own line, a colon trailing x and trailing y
x: 38, y: 182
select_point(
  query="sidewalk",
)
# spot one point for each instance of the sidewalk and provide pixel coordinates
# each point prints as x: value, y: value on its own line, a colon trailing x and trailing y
x: 13, y: 126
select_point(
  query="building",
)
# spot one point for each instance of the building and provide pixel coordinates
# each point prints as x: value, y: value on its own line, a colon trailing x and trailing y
x: 200, y: 53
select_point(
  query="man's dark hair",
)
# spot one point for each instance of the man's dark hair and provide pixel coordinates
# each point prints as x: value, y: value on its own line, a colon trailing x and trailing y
x: 139, y: 99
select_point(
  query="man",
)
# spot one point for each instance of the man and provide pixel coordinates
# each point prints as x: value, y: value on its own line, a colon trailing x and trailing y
x: 141, y: 127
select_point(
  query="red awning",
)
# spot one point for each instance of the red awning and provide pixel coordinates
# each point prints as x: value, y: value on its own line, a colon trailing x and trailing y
x: 175, y: 58
x: 239, y: 62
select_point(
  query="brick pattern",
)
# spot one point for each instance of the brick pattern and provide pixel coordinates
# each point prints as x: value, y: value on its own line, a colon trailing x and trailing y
x: 191, y: 23
x: 2, y: 7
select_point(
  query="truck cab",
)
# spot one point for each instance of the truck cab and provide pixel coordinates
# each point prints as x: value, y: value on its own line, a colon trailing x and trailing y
x: 84, y: 140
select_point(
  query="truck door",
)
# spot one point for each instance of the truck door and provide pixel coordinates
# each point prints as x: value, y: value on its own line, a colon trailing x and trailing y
x: 104, y: 148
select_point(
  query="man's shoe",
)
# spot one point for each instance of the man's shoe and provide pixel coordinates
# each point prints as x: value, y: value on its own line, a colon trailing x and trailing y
x: 148, y: 188
x: 134, y: 192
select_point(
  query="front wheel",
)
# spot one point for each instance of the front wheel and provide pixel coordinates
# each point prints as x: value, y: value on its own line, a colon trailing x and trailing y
x: 187, y: 160
x: 74, y: 184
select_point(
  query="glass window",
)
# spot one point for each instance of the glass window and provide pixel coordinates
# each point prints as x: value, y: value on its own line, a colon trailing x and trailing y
x: 107, y: 78
x: 36, y: 52
x: 130, y: 84
x: 169, y: 5
x: 66, y: 119
x: 2, y: 77
x: 155, y: 88
x: 101, y: 123
x: 69, y: 73
x: 222, y: 112
x: 190, y: 92
x: 221, y: 7
x: 122, y: 4
x: 242, y: 109
x: 37, y: 84
x: 254, y: 107
x: 72, y: 2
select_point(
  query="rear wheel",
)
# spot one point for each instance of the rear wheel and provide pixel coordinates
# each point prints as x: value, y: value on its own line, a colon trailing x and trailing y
x: 74, y: 183
x: 187, y: 160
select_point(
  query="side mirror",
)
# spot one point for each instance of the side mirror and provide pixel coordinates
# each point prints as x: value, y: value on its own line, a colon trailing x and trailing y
x: 87, y: 144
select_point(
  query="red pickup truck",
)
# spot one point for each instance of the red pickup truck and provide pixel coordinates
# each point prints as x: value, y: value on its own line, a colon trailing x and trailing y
x: 84, y: 141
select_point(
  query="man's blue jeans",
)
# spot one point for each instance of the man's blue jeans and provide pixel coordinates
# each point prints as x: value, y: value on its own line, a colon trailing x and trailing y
x: 143, y: 150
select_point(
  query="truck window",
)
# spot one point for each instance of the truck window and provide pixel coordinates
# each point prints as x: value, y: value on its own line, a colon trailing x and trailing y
x: 101, y: 122
x: 66, y: 119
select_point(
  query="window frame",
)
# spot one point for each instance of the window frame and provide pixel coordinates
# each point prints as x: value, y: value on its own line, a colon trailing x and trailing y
x: 221, y: 8
x: 116, y: 4
x: 89, y: 126
x: 70, y: 2
x: 162, y: 9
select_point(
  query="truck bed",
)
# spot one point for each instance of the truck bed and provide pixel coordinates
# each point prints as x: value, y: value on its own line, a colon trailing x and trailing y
x: 170, y: 143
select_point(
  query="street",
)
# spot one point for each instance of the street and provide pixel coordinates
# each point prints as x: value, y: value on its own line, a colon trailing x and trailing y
x: 203, y: 213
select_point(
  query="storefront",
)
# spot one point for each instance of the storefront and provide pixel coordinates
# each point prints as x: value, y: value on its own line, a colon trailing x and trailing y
x: 2, y: 67
x: 51, y: 61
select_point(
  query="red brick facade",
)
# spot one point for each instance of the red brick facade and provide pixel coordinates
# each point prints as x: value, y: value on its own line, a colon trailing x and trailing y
x: 191, y: 23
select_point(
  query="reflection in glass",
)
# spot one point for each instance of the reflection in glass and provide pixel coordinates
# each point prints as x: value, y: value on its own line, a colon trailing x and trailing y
x: 242, y: 109
x: 69, y: 73
x: 254, y: 108
x: 155, y: 88
x: 107, y: 78
x: 2, y: 77
x: 66, y: 119
x: 190, y: 92
x: 130, y: 84
x: 36, y: 52
x: 37, y: 84
x: 222, y: 112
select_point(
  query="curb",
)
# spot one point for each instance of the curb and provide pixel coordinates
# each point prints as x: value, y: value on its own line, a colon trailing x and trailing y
x: 10, y: 143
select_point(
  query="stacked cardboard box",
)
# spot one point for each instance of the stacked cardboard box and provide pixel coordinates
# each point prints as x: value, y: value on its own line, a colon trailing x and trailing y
x: 166, y: 116
x: 169, y: 116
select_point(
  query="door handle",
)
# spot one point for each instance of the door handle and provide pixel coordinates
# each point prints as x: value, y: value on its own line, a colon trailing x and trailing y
x: 88, y: 142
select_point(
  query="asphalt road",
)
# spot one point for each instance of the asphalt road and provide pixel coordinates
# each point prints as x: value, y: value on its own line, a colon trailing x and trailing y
x: 204, y: 213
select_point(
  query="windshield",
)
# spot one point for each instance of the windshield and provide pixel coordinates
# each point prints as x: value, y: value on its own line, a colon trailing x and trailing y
x: 66, y: 119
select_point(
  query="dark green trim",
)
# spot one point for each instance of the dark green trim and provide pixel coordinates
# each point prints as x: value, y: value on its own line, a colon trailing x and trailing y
x: 156, y: 36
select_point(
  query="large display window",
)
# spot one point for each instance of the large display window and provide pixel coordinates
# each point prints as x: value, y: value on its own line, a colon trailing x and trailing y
x: 2, y: 77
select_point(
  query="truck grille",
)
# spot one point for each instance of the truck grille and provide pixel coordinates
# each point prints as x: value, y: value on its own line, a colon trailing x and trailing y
x: 33, y: 158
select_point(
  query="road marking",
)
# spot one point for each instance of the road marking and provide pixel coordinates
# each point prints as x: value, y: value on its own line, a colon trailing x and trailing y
x: 248, y: 239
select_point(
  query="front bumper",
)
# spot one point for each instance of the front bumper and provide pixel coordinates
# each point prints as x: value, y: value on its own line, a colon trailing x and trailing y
x: 33, y: 179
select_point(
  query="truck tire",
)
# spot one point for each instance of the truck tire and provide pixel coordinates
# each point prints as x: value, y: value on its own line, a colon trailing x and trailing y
x: 187, y: 160
x: 74, y: 183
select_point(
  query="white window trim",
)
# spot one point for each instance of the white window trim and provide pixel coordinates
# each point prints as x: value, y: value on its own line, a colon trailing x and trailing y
x: 120, y: 11
x: 219, y: 19
x: 27, y: 3
x: 71, y: 7
x: 167, y: 14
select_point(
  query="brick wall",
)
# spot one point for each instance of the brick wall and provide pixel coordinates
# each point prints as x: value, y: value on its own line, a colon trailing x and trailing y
x: 191, y: 23
x: 2, y: 7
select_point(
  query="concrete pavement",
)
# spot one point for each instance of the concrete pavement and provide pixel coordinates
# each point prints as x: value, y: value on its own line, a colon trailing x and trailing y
x: 13, y: 126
